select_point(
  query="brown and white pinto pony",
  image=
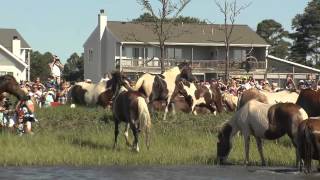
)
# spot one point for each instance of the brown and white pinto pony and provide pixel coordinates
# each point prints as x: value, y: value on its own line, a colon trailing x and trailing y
x: 90, y: 94
x: 129, y: 107
x: 208, y: 96
x: 10, y: 85
x: 263, y: 121
x: 161, y: 87
x: 308, y: 143
x: 309, y: 100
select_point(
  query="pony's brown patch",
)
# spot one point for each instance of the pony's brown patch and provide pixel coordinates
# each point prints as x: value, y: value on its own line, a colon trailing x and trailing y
x: 251, y: 94
x: 309, y: 100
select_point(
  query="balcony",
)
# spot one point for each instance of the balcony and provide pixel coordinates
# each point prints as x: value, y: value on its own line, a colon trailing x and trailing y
x: 205, y: 66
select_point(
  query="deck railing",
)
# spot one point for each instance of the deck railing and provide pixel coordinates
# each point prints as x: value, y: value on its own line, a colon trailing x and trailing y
x: 197, y: 64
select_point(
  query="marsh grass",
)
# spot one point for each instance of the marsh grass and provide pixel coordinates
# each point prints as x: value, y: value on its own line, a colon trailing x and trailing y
x: 84, y: 137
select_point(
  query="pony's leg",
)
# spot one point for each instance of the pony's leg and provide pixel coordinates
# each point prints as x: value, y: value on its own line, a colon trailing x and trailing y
x: 259, y: 145
x: 116, y: 132
x: 135, y: 134
x: 126, y: 134
x: 246, y: 148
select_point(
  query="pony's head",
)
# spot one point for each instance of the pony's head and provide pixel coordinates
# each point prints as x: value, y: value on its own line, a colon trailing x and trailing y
x: 186, y: 72
x: 9, y: 84
x: 224, y: 144
x: 117, y: 81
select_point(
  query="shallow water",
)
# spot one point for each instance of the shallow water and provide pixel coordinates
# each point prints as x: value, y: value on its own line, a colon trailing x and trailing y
x: 155, y: 173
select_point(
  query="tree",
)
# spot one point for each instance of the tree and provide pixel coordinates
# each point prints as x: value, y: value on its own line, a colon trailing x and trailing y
x: 147, y: 17
x: 162, y: 21
x: 230, y: 11
x: 74, y: 68
x: 275, y: 35
x: 306, y: 37
x: 39, y: 65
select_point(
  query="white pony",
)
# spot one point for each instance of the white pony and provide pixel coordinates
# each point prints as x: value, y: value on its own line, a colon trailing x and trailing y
x: 281, y: 96
x: 90, y: 94
x: 263, y: 121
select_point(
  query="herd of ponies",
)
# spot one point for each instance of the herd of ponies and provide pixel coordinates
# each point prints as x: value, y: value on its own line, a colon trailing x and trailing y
x: 263, y: 115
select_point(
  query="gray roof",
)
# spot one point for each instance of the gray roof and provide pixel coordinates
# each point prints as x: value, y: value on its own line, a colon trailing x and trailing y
x: 185, y: 33
x: 6, y: 36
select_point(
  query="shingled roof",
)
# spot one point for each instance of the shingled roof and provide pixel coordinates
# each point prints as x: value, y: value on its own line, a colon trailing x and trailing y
x: 186, y: 33
x: 6, y: 36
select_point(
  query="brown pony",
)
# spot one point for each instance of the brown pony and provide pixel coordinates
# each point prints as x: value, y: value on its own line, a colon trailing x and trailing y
x: 250, y: 94
x: 308, y: 143
x: 9, y: 84
x: 129, y: 107
x: 309, y: 100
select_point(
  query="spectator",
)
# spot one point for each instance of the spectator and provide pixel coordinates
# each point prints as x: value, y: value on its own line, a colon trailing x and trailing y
x: 56, y: 68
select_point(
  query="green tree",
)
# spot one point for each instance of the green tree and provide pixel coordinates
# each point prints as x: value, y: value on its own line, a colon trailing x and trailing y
x: 147, y: 17
x: 306, y: 37
x: 39, y: 65
x: 275, y: 35
x: 74, y: 68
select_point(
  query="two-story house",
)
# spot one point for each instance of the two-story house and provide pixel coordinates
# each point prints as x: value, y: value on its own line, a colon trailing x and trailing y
x: 134, y: 48
x: 14, y: 55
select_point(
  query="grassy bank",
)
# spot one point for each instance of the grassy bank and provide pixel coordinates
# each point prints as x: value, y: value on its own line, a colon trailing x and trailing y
x: 84, y: 137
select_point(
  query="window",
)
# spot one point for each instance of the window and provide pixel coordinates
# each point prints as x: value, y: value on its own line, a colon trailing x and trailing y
x: 90, y: 54
x: 238, y: 54
x: 174, y: 53
x: 4, y: 73
x: 135, y: 53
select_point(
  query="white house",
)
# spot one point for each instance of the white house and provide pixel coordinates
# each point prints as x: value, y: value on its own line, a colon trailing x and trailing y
x: 133, y: 48
x: 14, y: 54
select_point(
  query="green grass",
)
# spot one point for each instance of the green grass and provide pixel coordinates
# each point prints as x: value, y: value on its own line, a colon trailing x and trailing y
x: 84, y: 137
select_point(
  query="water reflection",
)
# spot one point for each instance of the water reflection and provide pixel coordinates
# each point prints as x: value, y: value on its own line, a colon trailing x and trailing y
x: 155, y: 173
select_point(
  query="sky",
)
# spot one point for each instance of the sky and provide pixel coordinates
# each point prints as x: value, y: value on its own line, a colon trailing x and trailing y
x: 62, y: 26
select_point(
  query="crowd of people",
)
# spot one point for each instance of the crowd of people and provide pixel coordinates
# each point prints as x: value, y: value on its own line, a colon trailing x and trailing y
x: 50, y: 92
x: 236, y: 86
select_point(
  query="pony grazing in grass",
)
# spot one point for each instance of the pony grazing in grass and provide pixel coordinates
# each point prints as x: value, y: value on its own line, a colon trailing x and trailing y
x: 161, y: 87
x: 309, y: 100
x: 129, y: 107
x: 263, y: 121
x: 308, y: 143
x: 9, y: 85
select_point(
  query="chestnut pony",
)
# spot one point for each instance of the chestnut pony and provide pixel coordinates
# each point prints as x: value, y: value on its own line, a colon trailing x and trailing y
x: 9, y: 84
x: 129, y: 107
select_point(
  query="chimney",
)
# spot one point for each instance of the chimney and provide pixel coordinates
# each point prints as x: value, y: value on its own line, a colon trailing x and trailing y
x: 16, y: 46
x: 102, y: 22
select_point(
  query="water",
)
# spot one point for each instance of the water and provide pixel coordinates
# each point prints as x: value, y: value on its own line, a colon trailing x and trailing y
x: 155, y: 173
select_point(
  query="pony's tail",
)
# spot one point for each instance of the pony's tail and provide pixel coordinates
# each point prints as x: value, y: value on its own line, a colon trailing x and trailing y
x: 144, y: 119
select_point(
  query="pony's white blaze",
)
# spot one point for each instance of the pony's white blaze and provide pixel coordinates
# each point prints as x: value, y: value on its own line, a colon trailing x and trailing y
x: 281, y: 96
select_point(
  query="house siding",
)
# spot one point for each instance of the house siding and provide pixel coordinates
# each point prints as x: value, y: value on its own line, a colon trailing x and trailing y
x: 9, y: 65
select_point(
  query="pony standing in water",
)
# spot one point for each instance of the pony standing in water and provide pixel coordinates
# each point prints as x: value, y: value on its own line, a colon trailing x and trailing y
x: 130, y: 107
x: 263, y: 121
x: 9, y: 84
x: 161, y: 87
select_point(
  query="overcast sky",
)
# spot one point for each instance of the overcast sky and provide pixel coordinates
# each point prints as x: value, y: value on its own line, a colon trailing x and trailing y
x: 62, y: 26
